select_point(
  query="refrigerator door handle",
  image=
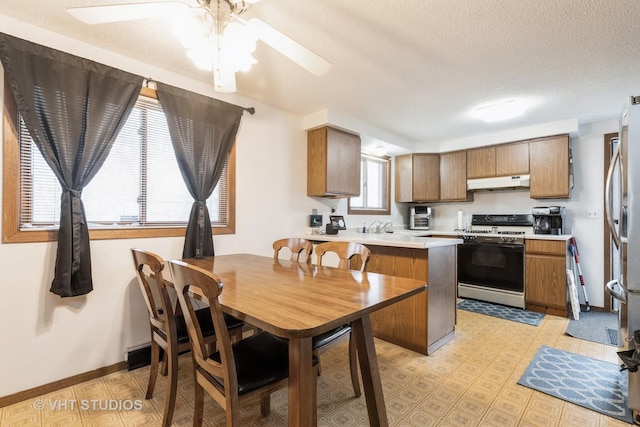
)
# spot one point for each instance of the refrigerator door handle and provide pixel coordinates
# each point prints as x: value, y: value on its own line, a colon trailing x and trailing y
x: 620, y: 296
x: 607, y: 198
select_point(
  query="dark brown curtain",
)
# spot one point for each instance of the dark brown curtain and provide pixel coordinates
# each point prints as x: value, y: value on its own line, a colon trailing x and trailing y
x: 74, y: 109
x: 202, y: 130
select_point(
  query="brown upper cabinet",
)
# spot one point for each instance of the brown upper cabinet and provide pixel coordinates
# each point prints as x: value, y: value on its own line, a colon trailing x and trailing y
x: 481, y: 162
x: 498, y: 160
x: 453, y: 176
x: 417, y: 177
x: 549, y: 165
x: 333, y: 163
x: 512, y: 159
x: 432, y: 177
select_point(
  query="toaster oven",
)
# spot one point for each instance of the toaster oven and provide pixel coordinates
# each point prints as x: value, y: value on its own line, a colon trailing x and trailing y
x: 419, y: 217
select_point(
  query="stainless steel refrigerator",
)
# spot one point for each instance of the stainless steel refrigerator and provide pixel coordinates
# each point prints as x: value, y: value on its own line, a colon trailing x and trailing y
x: 622, y: 205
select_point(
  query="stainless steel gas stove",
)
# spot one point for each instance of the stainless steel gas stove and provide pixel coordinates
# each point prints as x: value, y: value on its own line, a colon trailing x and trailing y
x: 491, y: 259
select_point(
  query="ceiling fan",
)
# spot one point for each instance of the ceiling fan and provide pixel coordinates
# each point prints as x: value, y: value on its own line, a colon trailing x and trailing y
x: 215, y: 35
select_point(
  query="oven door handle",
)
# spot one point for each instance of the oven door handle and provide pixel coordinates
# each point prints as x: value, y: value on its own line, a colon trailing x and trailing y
x: 497, y: 245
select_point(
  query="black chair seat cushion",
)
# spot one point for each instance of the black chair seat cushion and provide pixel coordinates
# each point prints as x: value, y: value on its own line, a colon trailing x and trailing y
x: 261, y: 359
x: 206, y: 324
x: 327, y: 337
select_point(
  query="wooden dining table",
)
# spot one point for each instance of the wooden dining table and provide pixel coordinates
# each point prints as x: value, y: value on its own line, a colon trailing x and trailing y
x: 298, y: 301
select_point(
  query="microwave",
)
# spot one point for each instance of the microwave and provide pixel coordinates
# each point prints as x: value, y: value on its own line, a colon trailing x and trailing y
x: 419, y: 217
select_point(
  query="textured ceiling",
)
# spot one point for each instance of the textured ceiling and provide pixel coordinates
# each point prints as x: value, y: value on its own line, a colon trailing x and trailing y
x: 414, y: 69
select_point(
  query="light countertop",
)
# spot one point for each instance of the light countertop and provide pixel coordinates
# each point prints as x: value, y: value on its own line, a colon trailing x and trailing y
x: 562, y: 237
x: 399, y: 239
x: 412, y: 238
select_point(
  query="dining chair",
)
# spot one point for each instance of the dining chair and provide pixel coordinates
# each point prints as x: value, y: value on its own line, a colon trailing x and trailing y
x: 253, y: 367
x: 300, y: 249
x: 168, y: 327
x: 346, y: 251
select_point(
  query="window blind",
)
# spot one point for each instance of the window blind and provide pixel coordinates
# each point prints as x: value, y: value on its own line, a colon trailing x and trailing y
x: 139, y: 185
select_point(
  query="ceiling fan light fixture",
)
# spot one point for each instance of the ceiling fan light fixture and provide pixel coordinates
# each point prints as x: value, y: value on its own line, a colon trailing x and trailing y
x: 238, y: 38
x: 202, y: 54
x: 236, y: 47
x: 232, y: 48
x: 192, y: 29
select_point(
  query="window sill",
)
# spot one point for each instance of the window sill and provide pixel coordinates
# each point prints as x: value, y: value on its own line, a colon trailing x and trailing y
x: 352, y: 211
x: 40, y: 235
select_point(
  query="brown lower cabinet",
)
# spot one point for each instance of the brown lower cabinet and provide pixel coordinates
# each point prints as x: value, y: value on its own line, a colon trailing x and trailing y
x: 424, y: 322
x: 546, y: 276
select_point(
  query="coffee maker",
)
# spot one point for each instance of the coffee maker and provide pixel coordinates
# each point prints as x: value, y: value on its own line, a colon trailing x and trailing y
x: 548, y: 219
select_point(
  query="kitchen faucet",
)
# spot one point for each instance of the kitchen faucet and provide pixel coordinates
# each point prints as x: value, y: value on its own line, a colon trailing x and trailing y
x: 388, y: 227
x: 377, y: 229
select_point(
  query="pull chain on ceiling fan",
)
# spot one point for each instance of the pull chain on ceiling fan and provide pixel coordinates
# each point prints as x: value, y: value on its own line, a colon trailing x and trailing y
x: 215, y: 36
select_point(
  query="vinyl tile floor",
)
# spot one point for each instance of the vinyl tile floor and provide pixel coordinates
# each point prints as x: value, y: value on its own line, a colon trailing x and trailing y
x: 470, y: 381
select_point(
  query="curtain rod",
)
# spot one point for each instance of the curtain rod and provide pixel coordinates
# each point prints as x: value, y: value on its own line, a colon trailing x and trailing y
x: 149, y: 83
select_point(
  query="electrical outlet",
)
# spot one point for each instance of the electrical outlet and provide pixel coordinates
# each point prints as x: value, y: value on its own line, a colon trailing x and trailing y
x: 594, y: 214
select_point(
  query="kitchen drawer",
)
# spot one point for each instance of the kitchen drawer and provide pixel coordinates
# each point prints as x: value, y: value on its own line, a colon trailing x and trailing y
x: 551, y: 247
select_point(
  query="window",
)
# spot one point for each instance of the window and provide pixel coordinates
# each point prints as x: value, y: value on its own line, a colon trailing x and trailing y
x: 374, y: 187
x: 138, y: 192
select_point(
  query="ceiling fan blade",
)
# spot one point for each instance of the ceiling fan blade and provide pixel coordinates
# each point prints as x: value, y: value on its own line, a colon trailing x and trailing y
x: 288, y: 47
x: 127, y: 12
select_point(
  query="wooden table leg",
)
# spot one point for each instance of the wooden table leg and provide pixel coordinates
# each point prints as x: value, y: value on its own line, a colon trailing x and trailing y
x: 302, y: 384
x: 376, y: 408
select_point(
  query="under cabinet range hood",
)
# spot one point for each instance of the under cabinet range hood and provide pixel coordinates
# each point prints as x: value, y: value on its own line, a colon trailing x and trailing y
x: 498, y: 182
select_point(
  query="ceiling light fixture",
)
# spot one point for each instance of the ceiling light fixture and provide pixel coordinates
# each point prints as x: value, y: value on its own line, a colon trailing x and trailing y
x: 216, y: 44
x: 500, y: 111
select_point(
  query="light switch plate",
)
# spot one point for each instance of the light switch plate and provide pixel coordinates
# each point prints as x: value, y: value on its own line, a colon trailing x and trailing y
x: 594, y: 214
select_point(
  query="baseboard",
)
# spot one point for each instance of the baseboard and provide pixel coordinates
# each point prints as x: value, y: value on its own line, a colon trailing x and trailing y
x: 60, y: 384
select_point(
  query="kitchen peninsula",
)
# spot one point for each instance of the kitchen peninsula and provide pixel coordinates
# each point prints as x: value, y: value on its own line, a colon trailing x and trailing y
x: 424, y: 322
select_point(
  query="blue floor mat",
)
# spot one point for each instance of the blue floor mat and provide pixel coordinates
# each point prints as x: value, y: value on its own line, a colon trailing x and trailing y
x: 502, y: 311
x: 590, y: 383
